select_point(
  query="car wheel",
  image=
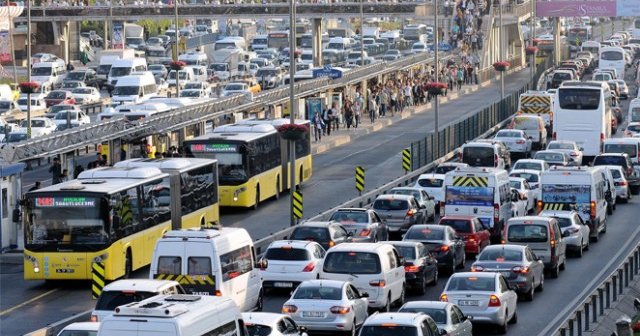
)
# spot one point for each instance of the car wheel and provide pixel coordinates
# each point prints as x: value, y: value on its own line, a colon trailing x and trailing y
x: 586, y: 245
x: 435, y: 278
x: 555, y: 271
x: 401, y: 299
x: 541, y: 285
x: 529, y: 296
x: 387, y: 306
x: 595, y: 238
x: 580, y: 251
x: 625, y: 200
x: 514, y: 318
x: 260, y: 303
x: 502, y: 329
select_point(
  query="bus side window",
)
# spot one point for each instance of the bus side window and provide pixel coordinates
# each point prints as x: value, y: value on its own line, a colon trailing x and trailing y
x: 156, y: 202
x: 126, y: 210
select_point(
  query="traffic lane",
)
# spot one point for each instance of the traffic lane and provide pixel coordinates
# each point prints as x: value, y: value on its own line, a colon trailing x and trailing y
x: 533, y: 317
x: 30, y: 305
x: 332, y: 182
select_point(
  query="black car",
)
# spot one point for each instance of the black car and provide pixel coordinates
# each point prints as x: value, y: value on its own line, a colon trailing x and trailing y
x: 87, y: 76
x: 420, y: 267
x: 442, y: 242
x: 327, y: 234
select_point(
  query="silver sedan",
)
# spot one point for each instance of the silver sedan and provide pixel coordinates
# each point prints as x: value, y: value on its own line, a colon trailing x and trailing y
x: 328, y: 306
x: 517, y: 141
x: 448, y: 317
x: 570, y: 148
x: 574, y: 230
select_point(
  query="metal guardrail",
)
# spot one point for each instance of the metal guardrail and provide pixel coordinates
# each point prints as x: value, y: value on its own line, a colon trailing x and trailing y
x: 370, y: 196
x: 587, y: 308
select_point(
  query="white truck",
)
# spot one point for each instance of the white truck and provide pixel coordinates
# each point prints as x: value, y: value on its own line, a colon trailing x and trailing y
x: 223, y: 63
x: 134, y: 36
x: 106, y: 58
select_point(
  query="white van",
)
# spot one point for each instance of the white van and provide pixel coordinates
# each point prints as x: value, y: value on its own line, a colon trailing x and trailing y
x: 576, y: 188
x: 199, y: 73
x: 374, y: 268
x: 140, y: 111
x: 222, y: 262
x: 634, y: 110
x: 175, y: 315
x: 235, y: 42
x: 124, y: 67
x: 481, y: 192
x: 48, y: 74
x: 185, y: 75
x: 194, y: 58
x: 134, y: 88
x: 483, y: 154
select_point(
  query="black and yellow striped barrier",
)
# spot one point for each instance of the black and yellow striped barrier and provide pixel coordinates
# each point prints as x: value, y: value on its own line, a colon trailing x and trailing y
x: 297, y: 205
x: 556, y: 206
x: 406, y: 160
x: 470, y: 181
x: 360, y: 178
x: 97, y: 279
x: 535, y: 104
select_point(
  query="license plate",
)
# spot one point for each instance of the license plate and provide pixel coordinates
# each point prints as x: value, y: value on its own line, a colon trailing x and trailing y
x: 312, y: 314
x: 283, y: 284
x: 467, y: 302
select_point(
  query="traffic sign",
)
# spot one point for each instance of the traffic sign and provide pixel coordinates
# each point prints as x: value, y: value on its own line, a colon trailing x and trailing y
x: 360, y: 178
x: 406, y: 160
x: 297, y: 205
x: 327, y: 71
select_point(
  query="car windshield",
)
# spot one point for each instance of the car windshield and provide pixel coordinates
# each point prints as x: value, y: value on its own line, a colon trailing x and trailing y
x: 63, y: 115
x: 126, y: 90
x: 81, y: 91
x: 119, y: 72
x: 352, y: 263
x: 57, y: 95
x: 109, y: 300
x: 430, y: 182
x: 234, y: 87
x: 182, y: 75
x: 34, y: 123
x: 310, y: 233
x: 345, y: 217
x: 218, y: 67
x: 438, y: 315
x: 560, y: 145
x: 527, y: 233
x: 605, y: 160
x: 193, y: 86
x: 287, y: 253
x: 5, y: 105
x: 500, y: 254
x: 471, y: 283
x: 266, y: 73
x: 318, y: 293
x: 258, y: 329
x: 508, y: 134
x: 409, y: 192
x: 528, y: 165
x: 190, y: 93
x: 631, y: 149
x: 531, y: 178
x: 390, y: 204
x: 407, y: 252
x: 424, y: 234
x: 156, y: 67
x: 41, y: 71
x: 388, y: 330
x: 16, y: 137
x: 459, y: 225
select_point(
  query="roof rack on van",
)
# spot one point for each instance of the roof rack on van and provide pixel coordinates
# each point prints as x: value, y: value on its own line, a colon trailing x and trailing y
x: 163, y: 307
x: 203, y: 233
x: 211, y: 226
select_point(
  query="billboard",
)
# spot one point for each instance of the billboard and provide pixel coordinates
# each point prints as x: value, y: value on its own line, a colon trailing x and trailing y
x: 568, y: 8
x: 628, y: 7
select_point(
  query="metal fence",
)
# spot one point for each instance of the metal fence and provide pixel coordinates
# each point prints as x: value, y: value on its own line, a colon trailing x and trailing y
x: 434, y: 146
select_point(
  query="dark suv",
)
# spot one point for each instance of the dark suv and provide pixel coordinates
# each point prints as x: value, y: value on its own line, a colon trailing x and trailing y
x: 622, y: 160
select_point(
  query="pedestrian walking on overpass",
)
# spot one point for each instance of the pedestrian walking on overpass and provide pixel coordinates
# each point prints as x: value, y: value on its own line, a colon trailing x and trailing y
x: 460, y: 76
x: 348, y: 114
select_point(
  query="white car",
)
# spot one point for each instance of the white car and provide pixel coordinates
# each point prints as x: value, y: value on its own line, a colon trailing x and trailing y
x: 517, y: 141
x: 39, y: 126
x: 271, y: 324
x: 422, y: 197
x: 633, y: 128
x: 531, y: 164
x: 328, y: 306
x: 575, y: 232
x: 532, y: 176
x: 80, y: 329
x: 75, y: 118
x: 193, y: 93
x: 86, y: 95
x: 291, y: 262
x: 623, y: 193
x: 448, y: 317
x: 6, y: 128
x: 485, y: 296
x: 235, y: 88
x: 46, y: 57
x: 569, y: 147
x: 37, y: 104
x: 522, y: 186
x: 518, y: 204
x: 199, y: 85
x: 433, y: 184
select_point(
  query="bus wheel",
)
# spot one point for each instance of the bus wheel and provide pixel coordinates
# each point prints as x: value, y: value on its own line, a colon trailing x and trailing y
x: 127, y: 265
x: 255, y: 206
x: 277, y: 194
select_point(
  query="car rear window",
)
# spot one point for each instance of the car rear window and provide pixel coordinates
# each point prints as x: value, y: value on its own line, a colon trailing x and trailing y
x: 318, y: 293
x: 527, y: 176
x: 563, y: 222
x: 389, y: 330
x: 345, y: 217
x: 351, y: 263
x: 109, y: 300
x: 430, y: 182
x: 438, y: 315
x: 615, y: 173
x: 610, y: 160
x: 287, y: 253
x: 560, y: 145
x: 528, y: 165
x: 527, y: 233
x: 391, y: 204
x: 478, y: 156
x: 414, y: 193
x: 471, y: 283
x: 310, y: 233
x: 500, y: 255
x: 549, y: 157
x: 630, y: 149
x: 424, y: 234
x: 407, y: 252
x: 459, y: 225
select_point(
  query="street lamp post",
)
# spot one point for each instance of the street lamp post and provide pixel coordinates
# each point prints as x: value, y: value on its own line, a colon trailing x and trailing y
x: 362, y: 32
x: 175, y: 52
x: 28, y: 67
x: 292, y: 105
x: 501, y: 44
x: 532, y: 35
x: 436, y: 38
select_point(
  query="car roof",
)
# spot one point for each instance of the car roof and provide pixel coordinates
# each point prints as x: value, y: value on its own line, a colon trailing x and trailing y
x: 474, y: 274
x: 353, y: 210
x: 505, y: 246
x: 428, y: 226
x: 517, y: 178
x: 459, y: 217
x: 399, y: 318
x: 529, y: 218
x: 394, y: 196
x: 81, y: 326
x: 262, y: 318
x: 529, y: 171
x: 317, y: 223
x: 532, y: 161
x: 557, y: 213
x: 405, y: 243
x: 358, y: 247
x: 147, y: 285
x: 431, y: 176
x: 323, y: 283
x: 293, y: 243
x: 550, y: 151
x: 427, y: 304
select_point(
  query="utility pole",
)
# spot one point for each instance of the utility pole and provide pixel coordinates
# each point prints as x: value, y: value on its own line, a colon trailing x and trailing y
x: 362, y: 32
x: 175, y: 53
x: 292, y: 106
x: 436, y: 37
x: 28, y: 68
x: 501, y: 44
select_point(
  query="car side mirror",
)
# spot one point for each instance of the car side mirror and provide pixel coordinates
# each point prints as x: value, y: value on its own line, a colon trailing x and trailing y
x: 566, y: 234
x: 262, y: 264
x: 364, y: 295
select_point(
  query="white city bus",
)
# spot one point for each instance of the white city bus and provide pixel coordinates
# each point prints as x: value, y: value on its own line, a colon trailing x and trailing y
x: 582, y: 113
x: 612, y: 58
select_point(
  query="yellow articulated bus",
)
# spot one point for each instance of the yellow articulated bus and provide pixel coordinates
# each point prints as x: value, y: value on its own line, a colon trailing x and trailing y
x: 112, y: 215
x: 252, y: 161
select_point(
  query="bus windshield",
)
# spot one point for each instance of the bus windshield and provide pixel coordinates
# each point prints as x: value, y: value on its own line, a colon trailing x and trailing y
x: 231, y: 162
x: 579, y: 99
x: 611, y: 56
x: 61, y: 221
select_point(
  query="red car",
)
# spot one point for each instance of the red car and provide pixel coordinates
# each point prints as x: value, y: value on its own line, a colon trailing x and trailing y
x: 476, y: 236
x: 59, y: 97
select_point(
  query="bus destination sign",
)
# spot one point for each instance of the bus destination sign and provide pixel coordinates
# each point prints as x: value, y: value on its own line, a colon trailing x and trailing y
x: 65, y: 202
x: 214, y: 148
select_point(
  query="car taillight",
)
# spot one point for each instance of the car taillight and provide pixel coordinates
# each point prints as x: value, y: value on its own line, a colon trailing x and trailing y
x: 539, y: 206
x: 574, y: 154
x: 494, y: 301
x: 477, y: 268
x: 310, y: 266
x: 520, y: 142
x: 520, y: 269
x: 409, y: 268
x: 332, y: 243
x: 444, y: 298
x: 377, y: 283
x: 411, y: 212
x: 94, y: 318
x: 443, y: 248
x: 592, y: 209
x: 340, y: 310
x: 218, y: 293
x: 289, y: 309
x: 620, y: 184
x: 364, y: 232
